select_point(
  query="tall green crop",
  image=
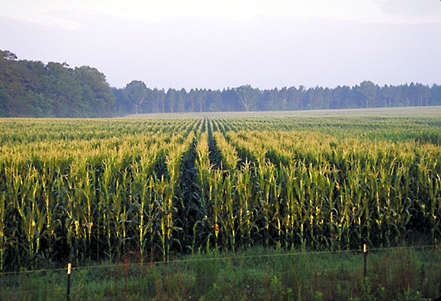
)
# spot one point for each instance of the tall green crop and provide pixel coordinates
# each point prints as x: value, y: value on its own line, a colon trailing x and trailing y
x: 94, y: 189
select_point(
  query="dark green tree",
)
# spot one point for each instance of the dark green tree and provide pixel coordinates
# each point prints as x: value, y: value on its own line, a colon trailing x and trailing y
x: 5, y: 101
x: 135, y: 93
x: 368, y: 91
x: 171, y: 99
x: 247, y: 96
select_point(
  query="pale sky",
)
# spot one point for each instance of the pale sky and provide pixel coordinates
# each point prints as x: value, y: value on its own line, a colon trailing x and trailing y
x: 227, y: 43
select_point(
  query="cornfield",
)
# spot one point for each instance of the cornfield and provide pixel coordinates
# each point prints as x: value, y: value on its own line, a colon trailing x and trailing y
x: 78, y: 190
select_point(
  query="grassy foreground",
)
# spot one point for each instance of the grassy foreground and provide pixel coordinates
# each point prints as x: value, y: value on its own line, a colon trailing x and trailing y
x: 256, y: 274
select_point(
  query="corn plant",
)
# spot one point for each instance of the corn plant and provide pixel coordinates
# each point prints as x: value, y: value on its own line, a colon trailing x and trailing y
x: 109, y: 188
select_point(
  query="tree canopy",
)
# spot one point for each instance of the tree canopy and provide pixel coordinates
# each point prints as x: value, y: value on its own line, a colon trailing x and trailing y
x: 34, y: 89
x: 247, y: 98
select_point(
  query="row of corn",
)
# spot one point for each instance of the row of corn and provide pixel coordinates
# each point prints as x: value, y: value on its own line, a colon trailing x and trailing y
x: 83, y: 193
x: 90, y: 199
x: 305, y: 189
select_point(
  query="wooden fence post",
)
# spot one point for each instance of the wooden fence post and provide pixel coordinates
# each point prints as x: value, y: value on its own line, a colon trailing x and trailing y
x: 365, y: 256
x: 69, y: 270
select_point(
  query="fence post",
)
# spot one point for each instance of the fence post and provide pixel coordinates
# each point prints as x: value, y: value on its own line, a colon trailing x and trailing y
x: 69, y: 270
x: 365, y: 255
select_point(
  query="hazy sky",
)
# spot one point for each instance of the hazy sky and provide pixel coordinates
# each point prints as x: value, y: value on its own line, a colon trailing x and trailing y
x: 219, y: 44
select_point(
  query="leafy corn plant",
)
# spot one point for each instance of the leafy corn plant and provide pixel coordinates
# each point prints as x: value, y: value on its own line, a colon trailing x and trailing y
x: 105, y: 189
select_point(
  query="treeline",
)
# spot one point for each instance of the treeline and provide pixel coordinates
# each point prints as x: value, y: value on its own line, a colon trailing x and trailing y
x: 137, y: 98
x: 34, y: 89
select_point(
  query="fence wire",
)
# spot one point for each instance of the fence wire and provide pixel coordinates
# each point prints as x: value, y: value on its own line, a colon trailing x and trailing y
x: 113, y: 271
x: 217, y: 258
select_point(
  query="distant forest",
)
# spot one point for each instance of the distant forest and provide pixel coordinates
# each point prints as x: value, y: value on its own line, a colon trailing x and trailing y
x: 34, y: 89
